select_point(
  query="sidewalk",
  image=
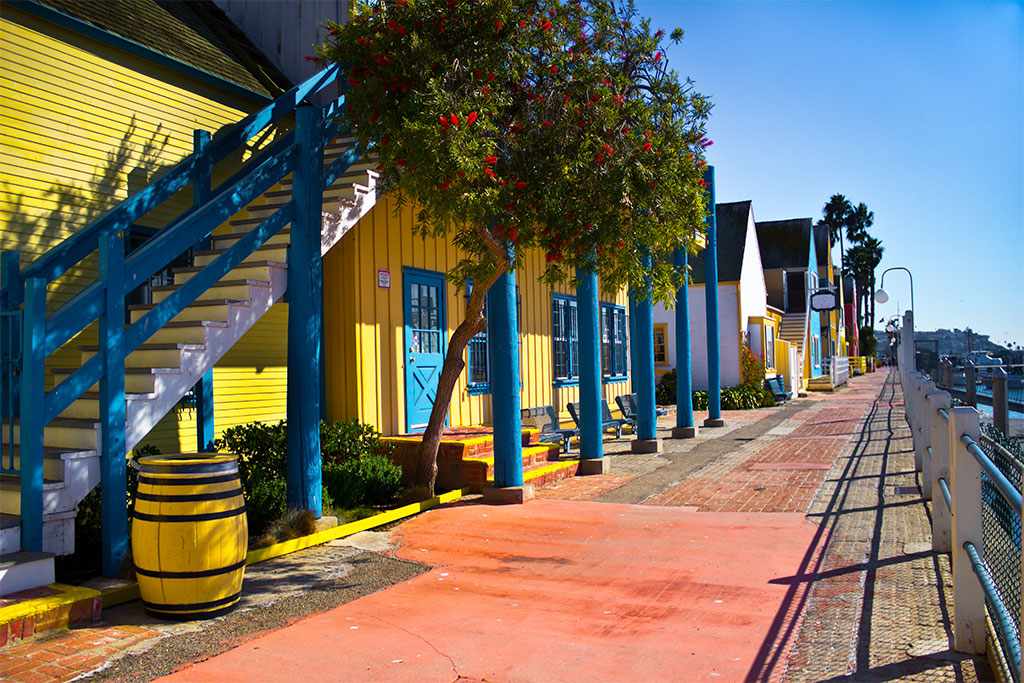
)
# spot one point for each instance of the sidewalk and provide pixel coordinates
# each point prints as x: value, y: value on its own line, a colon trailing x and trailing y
x: 791, y: 545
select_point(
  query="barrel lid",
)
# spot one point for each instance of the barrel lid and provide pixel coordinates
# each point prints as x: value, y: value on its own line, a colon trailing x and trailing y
x: 187, y: 462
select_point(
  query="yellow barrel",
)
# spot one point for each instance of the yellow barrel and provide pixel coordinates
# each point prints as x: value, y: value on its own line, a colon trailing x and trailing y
x: 189, y: 535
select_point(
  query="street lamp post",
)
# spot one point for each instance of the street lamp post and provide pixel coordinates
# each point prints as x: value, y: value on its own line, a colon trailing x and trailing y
x: 881, y: 296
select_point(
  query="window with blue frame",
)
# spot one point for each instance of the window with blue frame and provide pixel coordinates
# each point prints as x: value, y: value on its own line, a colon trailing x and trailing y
x: 613, y: 342
x: 478, y: 360
x: 565, y: 336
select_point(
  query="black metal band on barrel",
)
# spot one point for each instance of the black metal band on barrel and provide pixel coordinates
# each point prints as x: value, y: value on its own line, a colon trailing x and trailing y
x: 186, y: 481
x: 189, y: 575
x: 197, y: 468
x: 188, y: 498
x: 194, y: 606
x: 204, y: 517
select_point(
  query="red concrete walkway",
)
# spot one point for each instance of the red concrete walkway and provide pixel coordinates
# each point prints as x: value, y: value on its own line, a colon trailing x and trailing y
x: 619, y: 593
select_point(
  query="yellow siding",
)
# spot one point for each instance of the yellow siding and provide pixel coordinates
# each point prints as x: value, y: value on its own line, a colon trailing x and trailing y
x: 364, y: 325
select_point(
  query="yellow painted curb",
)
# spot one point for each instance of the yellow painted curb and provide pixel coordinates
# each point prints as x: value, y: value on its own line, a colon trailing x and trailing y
x: 554, y: 467
x: 278, y: 549
x: 130, y: 592
x: 68, y: 594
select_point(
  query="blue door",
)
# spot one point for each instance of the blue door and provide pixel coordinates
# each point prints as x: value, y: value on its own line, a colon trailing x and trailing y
x: 425, y: 326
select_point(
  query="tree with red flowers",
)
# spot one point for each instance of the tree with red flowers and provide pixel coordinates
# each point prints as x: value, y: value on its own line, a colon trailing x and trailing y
x: 527, y: 124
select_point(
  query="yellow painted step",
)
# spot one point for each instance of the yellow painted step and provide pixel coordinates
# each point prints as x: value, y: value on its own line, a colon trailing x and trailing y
x: 259, y: 270
x: 237, y: 290
x: 268, y: 252
x: 66, y: 433
x: 214, y: 311
x: 150, y: 355
x: 136, y: 380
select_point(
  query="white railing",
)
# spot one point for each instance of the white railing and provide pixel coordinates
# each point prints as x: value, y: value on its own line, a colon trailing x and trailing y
x: 948, y: 454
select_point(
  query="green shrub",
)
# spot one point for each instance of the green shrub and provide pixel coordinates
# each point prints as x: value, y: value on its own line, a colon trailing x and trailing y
x: 665, y: 392
x: 355, y: 470
x: 372, y: 480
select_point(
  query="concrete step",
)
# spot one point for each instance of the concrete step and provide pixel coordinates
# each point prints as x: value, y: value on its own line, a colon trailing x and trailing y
x: 22, y: 571
x: 242, y: 228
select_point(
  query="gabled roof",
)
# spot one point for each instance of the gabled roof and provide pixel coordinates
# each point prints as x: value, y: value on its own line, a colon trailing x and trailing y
x: 784, y: 244
x: 198, y: 34
x: 731, y: 229
x: 821, y: 244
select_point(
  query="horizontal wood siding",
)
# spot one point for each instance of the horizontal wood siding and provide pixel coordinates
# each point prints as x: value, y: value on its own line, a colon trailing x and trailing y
x: 364, y: 325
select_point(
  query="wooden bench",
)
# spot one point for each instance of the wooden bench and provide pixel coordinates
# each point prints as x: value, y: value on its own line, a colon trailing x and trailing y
x: 627, y: 405
x: 607, y: 421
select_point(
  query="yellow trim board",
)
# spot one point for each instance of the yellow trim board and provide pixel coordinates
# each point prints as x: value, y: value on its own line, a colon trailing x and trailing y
x: 123, y: 594
x: 68, y: 594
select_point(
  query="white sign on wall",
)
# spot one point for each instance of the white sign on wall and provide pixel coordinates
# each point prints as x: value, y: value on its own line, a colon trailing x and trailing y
x: 384, y: 279
x: 824, y: 300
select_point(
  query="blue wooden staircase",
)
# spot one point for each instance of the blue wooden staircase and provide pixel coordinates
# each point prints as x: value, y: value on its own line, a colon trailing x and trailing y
x: 301, y: 193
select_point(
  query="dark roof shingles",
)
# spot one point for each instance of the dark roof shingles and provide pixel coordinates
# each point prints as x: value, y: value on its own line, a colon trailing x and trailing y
x: 784, y: 244
x: 176, y: 29
x: 731, y: 230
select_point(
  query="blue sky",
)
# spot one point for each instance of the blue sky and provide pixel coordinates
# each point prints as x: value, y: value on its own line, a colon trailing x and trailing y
x: 914, y: 108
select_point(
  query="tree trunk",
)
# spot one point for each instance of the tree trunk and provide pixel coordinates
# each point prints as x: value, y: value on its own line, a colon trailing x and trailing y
x: 426, y: 467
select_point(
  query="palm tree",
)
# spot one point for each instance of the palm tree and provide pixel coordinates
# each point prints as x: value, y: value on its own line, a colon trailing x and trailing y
x: 836, y: 215
x: 873, y: 251
x: 857, y: 262
x: 858, y: 221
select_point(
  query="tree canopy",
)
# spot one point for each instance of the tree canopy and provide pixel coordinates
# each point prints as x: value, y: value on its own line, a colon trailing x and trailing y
x: 532, y: 123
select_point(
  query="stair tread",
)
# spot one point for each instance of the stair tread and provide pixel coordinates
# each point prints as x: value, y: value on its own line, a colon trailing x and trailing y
x: 95, y: 395
x: 217, y: 252
x: 153, y: 346
x: 185, y: 324
x: 9, y: 481
x: 247, y: 264
x: 197, y: 302
x: 63, y: 422
x: 128, y: 370
x: 55, y: 452
x: 219, y: 283
x: 241, y: 233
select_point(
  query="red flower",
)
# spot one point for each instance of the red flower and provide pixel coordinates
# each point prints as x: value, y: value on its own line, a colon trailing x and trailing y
x: 485, y: 90
x: 657, y: 56
x: 444, y: 122
x: 490, y: 173
x: 400, y: 162
x: 455, y: 120
x: 513, y: 234
x: 459, y: 171
x: 477, y: 74
x: 497, y: 25
x: 490, y: 77
x: 554, y: 69
x: 546, y: 26
x: 445, y: 184
x: 621, y: 243
x: 647, y: 146
x: 310, y: 58
x: 385, y: 140
x: 595, y: 97
x: 547, y: 123
x: 354, y: 82
x: 471, y: 118
x: 521, y: 184
x: 550, y: 257
x: 491, y: 160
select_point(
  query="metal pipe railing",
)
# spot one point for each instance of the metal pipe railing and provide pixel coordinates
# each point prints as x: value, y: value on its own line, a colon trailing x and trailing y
x: 949, y: 454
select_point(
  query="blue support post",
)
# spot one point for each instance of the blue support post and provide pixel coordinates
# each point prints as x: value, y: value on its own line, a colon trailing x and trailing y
x: 32, y: 409
x: 305, y: 310
x: 643, y: 371
x: 592, y: 459
x: 201, y: 193
x: 711, y: 301
x: 685, y: 428
x: 503, y: 347
x: 10, y: 348
x: 113, y: 444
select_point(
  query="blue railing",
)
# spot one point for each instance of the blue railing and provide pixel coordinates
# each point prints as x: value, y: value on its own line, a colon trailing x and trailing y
x: 30, y: 336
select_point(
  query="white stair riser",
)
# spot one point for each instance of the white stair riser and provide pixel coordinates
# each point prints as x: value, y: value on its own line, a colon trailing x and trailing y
x: 278, y: 253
